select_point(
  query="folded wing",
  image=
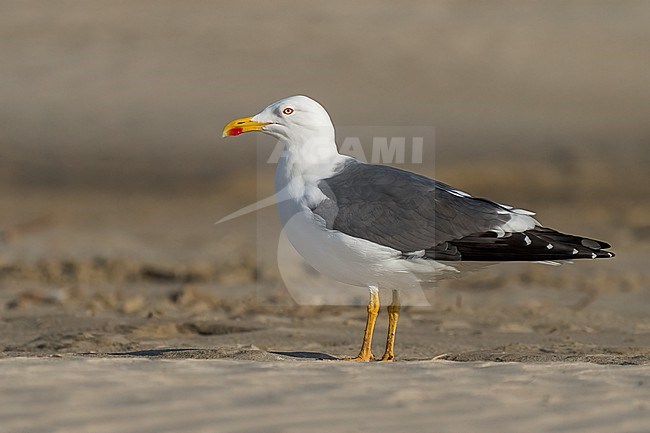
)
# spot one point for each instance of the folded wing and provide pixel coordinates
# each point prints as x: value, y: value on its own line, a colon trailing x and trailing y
x: 424, y: 218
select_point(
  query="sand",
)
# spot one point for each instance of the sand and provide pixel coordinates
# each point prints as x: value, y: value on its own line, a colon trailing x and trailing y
x: 138, y: 282
x: 128, y: 328
x: 108, y: 395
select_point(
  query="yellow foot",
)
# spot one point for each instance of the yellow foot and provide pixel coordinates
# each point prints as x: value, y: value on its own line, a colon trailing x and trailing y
x: 360, y: 358
x: 387, y: 359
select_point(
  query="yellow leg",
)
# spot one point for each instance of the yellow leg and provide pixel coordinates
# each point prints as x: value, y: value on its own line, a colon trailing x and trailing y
x: 373, y: 309
x: 393, y: 315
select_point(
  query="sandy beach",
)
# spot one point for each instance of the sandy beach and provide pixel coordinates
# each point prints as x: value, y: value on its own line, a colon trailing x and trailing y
x: 123, y: 307
x: 144, y: 337
x: 107, y: 395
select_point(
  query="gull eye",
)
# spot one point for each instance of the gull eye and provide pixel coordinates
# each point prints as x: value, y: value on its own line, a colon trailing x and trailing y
x: 287, y: 111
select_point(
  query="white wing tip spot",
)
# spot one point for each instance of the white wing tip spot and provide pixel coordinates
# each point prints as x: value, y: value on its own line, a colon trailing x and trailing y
x: 549, y: 246
x: 593, y: 255
x: 527, y: 240
x: 575, y: 251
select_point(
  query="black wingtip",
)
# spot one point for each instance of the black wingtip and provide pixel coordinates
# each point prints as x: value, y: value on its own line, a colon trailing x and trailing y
x: 538, y: 244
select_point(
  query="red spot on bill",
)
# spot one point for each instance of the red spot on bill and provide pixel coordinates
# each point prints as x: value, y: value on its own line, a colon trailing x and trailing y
x: 234, y: 131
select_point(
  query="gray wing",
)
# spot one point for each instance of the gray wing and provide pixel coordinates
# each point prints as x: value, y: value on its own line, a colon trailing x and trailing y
x: 401, y: 209
x: 412, y: 213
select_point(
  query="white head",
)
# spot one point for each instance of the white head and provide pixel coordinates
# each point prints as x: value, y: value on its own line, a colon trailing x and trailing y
x: 298, y: 121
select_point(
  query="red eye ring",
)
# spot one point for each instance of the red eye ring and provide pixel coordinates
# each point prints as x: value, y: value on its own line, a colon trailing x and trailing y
x: 287, y: 111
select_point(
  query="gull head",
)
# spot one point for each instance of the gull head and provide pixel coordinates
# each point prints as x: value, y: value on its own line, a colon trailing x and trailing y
x: 297, y: 119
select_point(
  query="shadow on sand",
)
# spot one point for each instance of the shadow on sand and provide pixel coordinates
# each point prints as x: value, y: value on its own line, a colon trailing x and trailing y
x: 222, y: 353
x: 306, y: 355
x: 151, y: 352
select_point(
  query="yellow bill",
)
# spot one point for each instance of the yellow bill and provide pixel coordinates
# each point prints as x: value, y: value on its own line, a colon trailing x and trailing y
x: 239, y: 126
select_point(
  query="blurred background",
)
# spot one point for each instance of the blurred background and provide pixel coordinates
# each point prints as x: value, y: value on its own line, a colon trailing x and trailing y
x: 133, y: 95
x: 112, y: 166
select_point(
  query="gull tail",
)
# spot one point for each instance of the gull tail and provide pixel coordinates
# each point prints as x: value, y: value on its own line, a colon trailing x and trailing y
x: 537, y: 244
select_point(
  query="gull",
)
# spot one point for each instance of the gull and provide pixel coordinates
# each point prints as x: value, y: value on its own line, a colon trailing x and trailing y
x: 373, y: 226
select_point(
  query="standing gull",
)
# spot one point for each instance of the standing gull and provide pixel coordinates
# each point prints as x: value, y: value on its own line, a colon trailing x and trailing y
x: 377, y: 226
